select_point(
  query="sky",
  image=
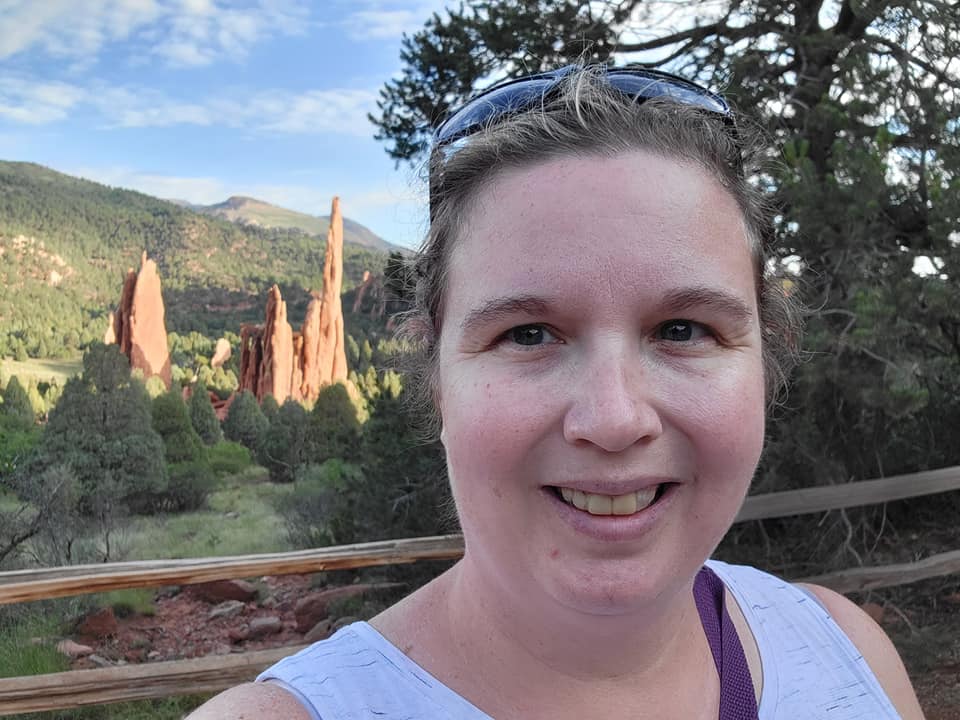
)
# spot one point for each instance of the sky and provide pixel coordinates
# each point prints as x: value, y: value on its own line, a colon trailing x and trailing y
x: 199, y: 100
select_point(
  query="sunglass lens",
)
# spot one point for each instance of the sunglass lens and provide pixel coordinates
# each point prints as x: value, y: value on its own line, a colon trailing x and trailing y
x: 646, y: 87
x: 500, y: 101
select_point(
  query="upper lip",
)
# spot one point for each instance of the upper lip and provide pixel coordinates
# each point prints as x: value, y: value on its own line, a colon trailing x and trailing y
x: 613, y: 488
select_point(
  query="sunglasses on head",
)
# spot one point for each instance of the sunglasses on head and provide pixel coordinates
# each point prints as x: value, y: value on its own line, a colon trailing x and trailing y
x: 516, y: 96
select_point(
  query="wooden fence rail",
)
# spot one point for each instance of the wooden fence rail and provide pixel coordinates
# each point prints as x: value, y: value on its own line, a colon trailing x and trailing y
x: 203, y: 675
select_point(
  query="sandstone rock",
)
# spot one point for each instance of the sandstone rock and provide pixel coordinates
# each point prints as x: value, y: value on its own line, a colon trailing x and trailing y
x: 332, y: 357
x: 226, y: 609
x: 276, y: 369
x: 310, y: 334
x: 99, y: 624
x: 262, y: 626
x: 276, y: 361
x: 99, y: 661
x: 314, y: 607
x: 320, y: 631
x: 153, y: 655
x: 221, y: 353
x: 251, y: 357
x: 238, y: 635
x: 73, y: 649
x: 110, y: 336
x: 220, y: 590
x: 138, y: 325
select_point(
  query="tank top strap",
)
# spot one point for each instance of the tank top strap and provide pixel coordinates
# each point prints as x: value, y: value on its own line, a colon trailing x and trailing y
x: 737, y: 697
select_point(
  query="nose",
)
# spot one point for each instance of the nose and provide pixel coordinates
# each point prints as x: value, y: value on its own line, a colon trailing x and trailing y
x: 614, y: 405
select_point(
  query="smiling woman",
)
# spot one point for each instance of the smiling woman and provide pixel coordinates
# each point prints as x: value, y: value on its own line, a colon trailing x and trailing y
x: 600, y: 339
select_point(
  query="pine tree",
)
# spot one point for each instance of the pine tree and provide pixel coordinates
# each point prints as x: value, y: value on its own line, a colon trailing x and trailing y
x: 16, y: 403
x: 203, y: 417
x: 245, y: 423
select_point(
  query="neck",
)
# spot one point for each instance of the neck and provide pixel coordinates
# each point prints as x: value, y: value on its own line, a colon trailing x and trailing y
x: 561, y: 648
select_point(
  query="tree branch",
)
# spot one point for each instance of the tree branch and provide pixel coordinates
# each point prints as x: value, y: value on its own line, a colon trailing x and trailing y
x: 898, y: 52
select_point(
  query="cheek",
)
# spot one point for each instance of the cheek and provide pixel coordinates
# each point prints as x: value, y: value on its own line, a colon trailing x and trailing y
x: 491, y: 427
x: 725, y: 422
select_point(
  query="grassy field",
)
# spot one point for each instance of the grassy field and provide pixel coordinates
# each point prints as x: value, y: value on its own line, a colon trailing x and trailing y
x: 240, y: 519
x: 58, y: 371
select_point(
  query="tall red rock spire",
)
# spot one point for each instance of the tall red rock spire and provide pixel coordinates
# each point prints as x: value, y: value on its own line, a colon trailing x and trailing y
x: 139, y: 326
x: 332, y: 359
x: 276, y: 361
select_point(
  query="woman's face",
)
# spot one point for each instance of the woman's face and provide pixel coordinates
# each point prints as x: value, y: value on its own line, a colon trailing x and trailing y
x: 600, y: 348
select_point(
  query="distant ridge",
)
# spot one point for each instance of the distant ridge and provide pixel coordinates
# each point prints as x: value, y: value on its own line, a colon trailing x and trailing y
x: 251, y: 211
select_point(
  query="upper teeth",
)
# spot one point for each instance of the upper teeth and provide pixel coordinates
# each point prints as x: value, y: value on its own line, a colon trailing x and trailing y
x: 609, y: 504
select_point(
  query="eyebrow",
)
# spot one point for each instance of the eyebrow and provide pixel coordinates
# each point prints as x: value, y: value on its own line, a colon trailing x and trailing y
x: 708, y: 297
x: 497, y: 309
x: 675, y: 301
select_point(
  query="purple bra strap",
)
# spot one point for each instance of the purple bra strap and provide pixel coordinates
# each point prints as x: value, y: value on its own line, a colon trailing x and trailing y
x: 737, y: 698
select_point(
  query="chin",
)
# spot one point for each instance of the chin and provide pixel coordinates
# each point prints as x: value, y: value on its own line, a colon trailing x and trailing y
x: 618, y: 586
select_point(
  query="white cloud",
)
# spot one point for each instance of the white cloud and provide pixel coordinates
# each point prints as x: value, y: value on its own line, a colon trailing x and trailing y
x: 389, y: 19
x: 315, y: 111
x: 180, y: 32
x: 197, y: 190
x: 37, y: 103
x: 310, y: 112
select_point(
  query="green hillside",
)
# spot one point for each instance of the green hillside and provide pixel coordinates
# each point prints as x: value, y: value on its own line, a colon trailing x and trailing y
x: 250, y: 211
x: 66, y: 243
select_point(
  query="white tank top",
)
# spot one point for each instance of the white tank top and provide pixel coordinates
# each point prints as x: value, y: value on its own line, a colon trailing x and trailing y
x: 811, y: 670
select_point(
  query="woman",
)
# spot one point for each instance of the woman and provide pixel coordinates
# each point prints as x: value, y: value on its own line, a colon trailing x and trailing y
x: 600, y: 339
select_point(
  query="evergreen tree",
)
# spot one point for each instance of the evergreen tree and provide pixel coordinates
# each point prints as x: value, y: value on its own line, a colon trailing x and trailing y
x: 203, y: 417
x: 245, y: 423
x: 269, y: 408
x: 285, y: 444
x: 16, y: 403
x: 101, y: 430
x: 172, y: 421
x: 334, y: 426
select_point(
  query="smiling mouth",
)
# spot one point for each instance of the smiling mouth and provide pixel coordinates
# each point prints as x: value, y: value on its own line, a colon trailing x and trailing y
x: 626, y: 504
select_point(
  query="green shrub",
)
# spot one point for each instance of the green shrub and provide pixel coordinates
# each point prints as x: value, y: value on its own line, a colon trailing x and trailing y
x: 189, y: 486
x: 132, y: 601
x: 228, y: 458
x: 245, y: 422
x: 16, y: 403
x: 172, y: 421
x: 203, y: 417
x: 285, y: 444
x: 321, y: 510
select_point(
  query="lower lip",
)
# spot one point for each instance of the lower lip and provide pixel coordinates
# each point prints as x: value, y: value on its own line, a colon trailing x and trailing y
x: 614, y: 528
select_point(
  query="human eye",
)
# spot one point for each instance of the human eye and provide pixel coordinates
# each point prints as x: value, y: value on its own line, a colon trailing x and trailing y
x: 529, y: 336
x: 682, y: 331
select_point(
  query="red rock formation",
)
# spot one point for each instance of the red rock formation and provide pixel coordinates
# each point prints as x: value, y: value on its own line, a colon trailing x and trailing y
x: 138, y: 324
x: 276, y: 361
x: 221, y: 353
x: 310, y: 334
x: 332, y: 357
x: 251, y: 356
x: 276, y: 367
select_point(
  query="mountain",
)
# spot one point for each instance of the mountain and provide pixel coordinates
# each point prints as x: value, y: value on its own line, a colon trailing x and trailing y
x: 66, y: 244
x: 250, y: 211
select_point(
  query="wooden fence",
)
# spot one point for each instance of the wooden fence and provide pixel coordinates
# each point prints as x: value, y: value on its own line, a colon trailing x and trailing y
x: 206, y: 675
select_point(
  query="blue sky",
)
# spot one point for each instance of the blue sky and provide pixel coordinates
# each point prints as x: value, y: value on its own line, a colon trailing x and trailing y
x: 203, y: 99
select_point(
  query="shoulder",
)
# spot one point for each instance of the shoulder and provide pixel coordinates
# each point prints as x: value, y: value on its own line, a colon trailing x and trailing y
x: 876, y: 648
x: 252, y: 701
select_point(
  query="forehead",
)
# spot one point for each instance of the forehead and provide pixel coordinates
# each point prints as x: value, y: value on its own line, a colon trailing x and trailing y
x: 635, y: 225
